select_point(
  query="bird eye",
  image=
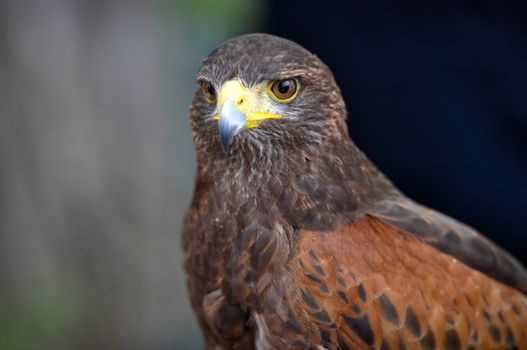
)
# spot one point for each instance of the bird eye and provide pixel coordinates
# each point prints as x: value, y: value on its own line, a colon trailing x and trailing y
x: 209, y: 92
x: 283, y: 90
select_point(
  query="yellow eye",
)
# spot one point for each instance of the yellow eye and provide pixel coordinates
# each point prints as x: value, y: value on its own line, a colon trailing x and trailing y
x: 209, y: 92
x: 283, y: 90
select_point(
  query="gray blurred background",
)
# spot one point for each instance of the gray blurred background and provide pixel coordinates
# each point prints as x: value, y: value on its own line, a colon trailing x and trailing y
x: 96, y: 167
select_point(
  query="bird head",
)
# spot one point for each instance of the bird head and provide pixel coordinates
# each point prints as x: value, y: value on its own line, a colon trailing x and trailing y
x: 264, y: 93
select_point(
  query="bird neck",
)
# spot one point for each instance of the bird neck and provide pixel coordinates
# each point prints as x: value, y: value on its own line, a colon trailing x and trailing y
x: 318, y: 187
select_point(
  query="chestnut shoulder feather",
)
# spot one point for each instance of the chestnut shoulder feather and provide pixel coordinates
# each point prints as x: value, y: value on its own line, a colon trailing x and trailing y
x: 452, y: 237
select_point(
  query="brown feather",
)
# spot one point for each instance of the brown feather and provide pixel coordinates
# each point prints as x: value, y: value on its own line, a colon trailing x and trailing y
x: 407, y: 289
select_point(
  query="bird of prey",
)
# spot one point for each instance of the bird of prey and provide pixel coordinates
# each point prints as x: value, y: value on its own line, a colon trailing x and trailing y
x: 295, y: 240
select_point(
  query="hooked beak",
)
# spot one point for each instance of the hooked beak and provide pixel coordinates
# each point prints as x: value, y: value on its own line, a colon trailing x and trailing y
x: 232, y: 121
x: 240, y: 108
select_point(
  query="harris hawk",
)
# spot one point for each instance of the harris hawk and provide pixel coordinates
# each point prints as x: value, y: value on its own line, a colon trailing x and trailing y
x: 295, y: 240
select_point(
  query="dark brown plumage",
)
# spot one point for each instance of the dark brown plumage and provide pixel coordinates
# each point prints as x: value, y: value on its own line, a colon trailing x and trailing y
x: 294, y: 240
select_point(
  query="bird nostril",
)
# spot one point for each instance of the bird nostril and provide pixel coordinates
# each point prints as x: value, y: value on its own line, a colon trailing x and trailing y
x: 240, y: 101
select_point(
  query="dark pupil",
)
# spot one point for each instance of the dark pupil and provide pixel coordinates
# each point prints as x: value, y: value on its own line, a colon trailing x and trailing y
x: 210, y: 90
x: 283, y: 86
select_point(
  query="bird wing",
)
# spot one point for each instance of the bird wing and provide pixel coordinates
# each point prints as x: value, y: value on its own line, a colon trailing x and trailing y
x: 453, y: 238
x: 372, y: 285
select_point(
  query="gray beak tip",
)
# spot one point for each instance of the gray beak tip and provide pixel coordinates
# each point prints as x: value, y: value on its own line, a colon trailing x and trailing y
x: 232, y: 121
x: 225, y: 139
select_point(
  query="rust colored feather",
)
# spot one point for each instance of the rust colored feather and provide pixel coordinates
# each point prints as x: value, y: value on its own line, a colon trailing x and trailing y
x: 379, y: 287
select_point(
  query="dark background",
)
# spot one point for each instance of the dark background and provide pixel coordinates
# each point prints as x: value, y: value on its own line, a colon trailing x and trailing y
x: 437, y: 98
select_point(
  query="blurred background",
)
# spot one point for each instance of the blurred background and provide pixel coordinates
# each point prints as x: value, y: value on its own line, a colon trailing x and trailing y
x: 97, y: 163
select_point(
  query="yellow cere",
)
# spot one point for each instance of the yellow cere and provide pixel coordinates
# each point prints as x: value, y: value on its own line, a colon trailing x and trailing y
x: 253, y: 102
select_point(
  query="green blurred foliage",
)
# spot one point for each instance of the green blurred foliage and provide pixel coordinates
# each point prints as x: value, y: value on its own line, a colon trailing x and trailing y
x: 207, y: 17
x: 41, y: 319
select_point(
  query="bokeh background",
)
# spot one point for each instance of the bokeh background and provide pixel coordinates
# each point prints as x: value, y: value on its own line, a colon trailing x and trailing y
x: 96, y: 159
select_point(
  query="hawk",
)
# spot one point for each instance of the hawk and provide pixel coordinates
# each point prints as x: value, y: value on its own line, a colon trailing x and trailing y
x: 295, y: 240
